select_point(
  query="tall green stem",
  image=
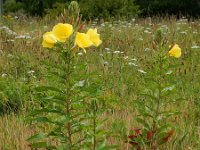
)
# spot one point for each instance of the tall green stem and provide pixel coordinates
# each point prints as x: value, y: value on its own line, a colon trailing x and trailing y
x: 94, y: 125
x: 68, y: 101
x: 157, y: 113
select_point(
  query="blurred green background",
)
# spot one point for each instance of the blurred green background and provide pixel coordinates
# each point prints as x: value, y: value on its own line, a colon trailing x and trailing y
x: 91, y: 9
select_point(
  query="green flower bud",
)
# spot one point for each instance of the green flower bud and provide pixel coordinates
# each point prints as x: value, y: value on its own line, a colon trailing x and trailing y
x: 74, y: 9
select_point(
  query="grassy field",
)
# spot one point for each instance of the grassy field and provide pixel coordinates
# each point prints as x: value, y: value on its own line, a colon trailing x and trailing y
x: 122, y: 62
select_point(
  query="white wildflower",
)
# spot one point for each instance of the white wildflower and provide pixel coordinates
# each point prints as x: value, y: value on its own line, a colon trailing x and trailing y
x: 3, y: 75
x: 31, y: 72
x: 132, y: 64
x: 125, y: 57
x: 142, y: 71
x: 23, y: 37
x: 79, y: 84
x: 116, y: 52
x: 195, y: 47
x: 147, y: 49
x: 107, y: 49
x: 80, y: 54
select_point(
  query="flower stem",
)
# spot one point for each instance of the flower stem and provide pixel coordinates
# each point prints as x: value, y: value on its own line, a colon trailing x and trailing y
x: 68, y: 101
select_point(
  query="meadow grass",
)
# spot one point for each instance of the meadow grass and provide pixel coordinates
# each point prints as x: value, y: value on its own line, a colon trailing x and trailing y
x: 122, y: 61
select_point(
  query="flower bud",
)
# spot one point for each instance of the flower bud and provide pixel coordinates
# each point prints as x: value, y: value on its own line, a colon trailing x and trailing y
x: 73, y: 9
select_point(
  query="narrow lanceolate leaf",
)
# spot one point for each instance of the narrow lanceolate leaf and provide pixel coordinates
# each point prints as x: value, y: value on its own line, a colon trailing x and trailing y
x: 143, y: 122
x: 56, y: 99
x: 38, y: 136
x: 48, y: 110
x: 149, y: 96
x: 170, y: 113
x: 42, y: 119
x: 162, y: 128
x: 48, y: 88
x: 39, y: 145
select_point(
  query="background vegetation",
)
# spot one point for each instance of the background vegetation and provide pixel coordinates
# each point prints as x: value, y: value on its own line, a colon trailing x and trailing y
x: 121, y: 64
x: 109, y: 8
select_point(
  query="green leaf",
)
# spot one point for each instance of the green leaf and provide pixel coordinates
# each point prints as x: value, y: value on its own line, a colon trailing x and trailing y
x: 56, y: 99
x: 48, y: 88
x: 143, y: 122
x: 42, y: 119
x: 38, y: 136
x: 39, y: 145
x: 162, y: 128
x: 48, y: 110
x: 149, y: 96
x: 170, y: 113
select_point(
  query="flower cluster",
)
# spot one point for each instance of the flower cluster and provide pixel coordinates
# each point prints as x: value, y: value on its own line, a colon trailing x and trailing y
x: 61, y: 32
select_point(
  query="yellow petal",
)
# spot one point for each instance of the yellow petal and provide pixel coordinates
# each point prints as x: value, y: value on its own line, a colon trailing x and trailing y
x: 83, y: 40
x: 62, y: 31
x: 47, y: 45
x: 49, y: 37
x: 94, y: 37
x: 49, y: 40
x: 175, y: 51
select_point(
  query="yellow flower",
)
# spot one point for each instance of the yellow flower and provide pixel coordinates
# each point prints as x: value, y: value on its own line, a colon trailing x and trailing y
x: 49, y: 40
x: 62, y: 31
x: 83, y: 40
x: 94, y: 37
x: 175, y: 51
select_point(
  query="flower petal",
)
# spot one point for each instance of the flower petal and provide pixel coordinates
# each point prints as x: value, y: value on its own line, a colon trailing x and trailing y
x: 62, y: 31
x: 94, y: 37
x: 49, y: 37
x: 49, y: 40
x: 47, y: 45
x: 83, y: 40
x: 175, y: 51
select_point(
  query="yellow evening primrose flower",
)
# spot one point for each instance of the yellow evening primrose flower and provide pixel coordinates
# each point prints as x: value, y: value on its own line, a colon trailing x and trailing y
x: 49, y: 40
x: 175, y: 51
x: 94, y: 37
x: 83, y: 40
x: 62, y: 31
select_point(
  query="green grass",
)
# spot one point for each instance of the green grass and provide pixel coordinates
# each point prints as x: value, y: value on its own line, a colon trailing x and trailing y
x: 121, y: 61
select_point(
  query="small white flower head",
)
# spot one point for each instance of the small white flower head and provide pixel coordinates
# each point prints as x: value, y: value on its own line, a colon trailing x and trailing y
x: 31, y: 72
x: 116, y: 52
x: 23, y: 37
x: 142, y: 71
x: 10, y: 40
x: 132, y: 64
x: 80, y: 54
x: 147, y: 49
x: 105, y: 63
x: 79, y: 84
x: 134, y: 59
x: 195, y: 47
x: 125, y: 57
x: 169, y: 72
x: 3, y: 75
x: 107, y: 49
x: 146, y: 31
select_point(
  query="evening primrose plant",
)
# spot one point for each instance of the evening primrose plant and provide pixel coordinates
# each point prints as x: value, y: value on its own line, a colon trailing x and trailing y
x: 158, y: 94
x: 67, y: 111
